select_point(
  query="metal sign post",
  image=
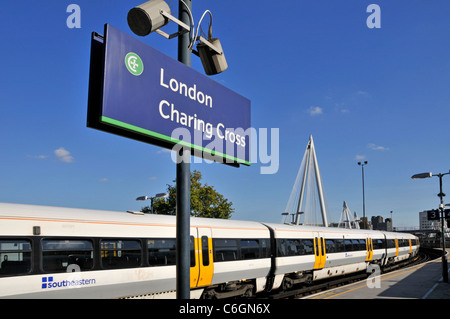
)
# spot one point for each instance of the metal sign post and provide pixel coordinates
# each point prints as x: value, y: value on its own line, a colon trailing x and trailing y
x: 183, y: 178
x: 441, y: 208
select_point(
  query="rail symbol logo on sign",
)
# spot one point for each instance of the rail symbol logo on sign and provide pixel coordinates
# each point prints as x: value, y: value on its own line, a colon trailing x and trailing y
x: 134, y: 63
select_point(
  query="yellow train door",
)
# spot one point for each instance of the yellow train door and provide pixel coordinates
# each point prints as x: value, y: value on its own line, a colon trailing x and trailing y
x: 369, y: 245
x: 195, y: 269
x: 396, y: 247
x: 203, y: 270
x: 320, y: 253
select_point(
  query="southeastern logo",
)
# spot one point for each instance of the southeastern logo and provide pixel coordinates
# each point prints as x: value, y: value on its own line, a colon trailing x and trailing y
x: 134, y: 64
x: 48, y: 283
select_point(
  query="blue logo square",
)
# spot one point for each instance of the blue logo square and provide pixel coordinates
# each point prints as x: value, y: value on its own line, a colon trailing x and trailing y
x: 45, y: 280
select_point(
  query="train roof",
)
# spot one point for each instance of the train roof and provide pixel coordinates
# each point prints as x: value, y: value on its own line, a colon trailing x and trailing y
x: 129, y: 217
x: 291, y: 227
x: 9, y: 210
x: 303, y: 228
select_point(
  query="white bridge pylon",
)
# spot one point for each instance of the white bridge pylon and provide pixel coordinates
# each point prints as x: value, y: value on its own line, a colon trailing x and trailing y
x: 347, y: 220
x: 303, y: 199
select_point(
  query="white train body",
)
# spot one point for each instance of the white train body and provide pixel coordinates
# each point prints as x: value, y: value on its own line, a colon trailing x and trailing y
x: 53, y: 252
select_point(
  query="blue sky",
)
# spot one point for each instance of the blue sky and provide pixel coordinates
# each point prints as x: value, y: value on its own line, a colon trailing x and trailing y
x: 308, y: 67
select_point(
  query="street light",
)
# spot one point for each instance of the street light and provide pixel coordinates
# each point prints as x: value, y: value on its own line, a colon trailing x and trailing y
x: 422, y: 175
x: 364, y: 197
x: 441, y: 209
x: 160, y: 195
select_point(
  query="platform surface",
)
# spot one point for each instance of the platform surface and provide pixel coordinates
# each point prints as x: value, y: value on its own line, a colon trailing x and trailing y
x: 422, y: 281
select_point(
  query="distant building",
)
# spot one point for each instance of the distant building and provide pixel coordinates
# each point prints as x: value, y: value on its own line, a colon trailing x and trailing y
x: 364, y: 220
x: 426, y: 224
x: 389, y: 224
x: 379, y: 224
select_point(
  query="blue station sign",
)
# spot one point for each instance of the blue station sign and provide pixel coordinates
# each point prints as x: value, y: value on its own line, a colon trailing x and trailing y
x: 140, y: 93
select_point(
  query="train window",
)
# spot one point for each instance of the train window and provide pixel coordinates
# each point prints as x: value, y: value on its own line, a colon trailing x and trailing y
x: 15, y: 256
x: 120, y: 253
x: 334, y: 245
x: 288, y: 247
x: 348, y: 245
x: 390, y: 243
x: 249, y: 249
x: 355, y: 243
x: 378, y: 244
x: 307, y: 247
x: 362, y: 244
x: 205, y: 250
x: 283, y: 247
x: 330, y: 247
x: 265, y: 248
x: 339, y: 246
x: 59, y: 254
x: 225, y: 249
x: 161, y: 252
x: 295, y: 247
x: 192, y: 248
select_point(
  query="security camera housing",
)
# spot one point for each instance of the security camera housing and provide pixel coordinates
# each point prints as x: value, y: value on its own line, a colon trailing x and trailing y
x: 213, y: 62
x: 147, y: 17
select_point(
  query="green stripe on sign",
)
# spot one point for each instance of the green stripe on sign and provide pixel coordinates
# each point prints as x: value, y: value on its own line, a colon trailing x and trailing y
x: 143, y: 131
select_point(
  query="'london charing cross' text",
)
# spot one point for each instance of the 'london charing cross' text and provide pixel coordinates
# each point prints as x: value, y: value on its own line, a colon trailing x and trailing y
x: 170, y: 112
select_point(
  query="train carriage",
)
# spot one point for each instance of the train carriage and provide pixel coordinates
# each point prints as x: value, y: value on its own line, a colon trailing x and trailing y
x: 241, y: 252
x: 295, y: 252
x: 400, y: 246
x: 53, y: 252
x: 346, y: 252
x: 378, y: 241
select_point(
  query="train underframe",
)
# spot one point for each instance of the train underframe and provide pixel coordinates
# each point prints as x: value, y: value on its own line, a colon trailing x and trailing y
x: 295, y: 280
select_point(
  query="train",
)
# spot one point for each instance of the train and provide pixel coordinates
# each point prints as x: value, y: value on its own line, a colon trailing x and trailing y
x: 57, y: 252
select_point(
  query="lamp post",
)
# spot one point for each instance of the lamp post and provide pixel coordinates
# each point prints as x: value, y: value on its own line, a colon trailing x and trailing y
x: 441, y: 209
x: 364, y: 197
x: 160, y: 195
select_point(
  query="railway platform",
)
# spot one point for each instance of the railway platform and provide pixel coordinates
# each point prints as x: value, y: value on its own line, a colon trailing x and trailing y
x: 422, y: 281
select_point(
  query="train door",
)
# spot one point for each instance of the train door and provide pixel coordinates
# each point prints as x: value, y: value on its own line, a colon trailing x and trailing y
x: 195, y: 268
x: 319, y: 251
x: 396, y: 247
x: 410, y: 246
x: 202, y: 272
x: 369, y: 245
